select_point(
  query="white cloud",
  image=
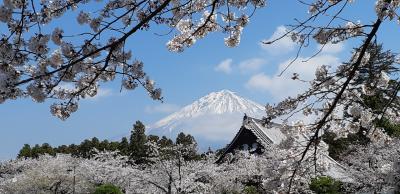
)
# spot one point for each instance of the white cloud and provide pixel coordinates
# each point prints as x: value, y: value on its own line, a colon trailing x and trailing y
x: 283, y: 86
x: 331, y: 48
x: 251, y: 65
x: 204, y: 127
x: 162, y: 108
x: 282, y: 46
x: 259, y: 82
x: 225, y: 66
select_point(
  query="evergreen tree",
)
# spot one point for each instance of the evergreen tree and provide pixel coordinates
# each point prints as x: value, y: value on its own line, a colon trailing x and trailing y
x: 36, y: 151
x: 47, y: 149
x: 189, y: 142
x: 104, y: 145
x: 153, y: 138
x: 113, y: 146
x: 138, y: 140
x: 62, y: 149
x: 84, y: 148
x: 185, y: 139
x: 136, y: 147
x: 165, y: 142
x: 25, y: 152
x: 95, y: 143
x: 382, y: 61
x: 73, y: 149
x: 123, y: 146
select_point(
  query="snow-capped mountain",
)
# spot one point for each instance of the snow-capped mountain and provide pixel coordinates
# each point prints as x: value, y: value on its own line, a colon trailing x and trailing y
x: 213, y: 119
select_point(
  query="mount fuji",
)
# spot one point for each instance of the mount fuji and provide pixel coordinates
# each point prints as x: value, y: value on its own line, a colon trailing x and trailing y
x: 213, y: 119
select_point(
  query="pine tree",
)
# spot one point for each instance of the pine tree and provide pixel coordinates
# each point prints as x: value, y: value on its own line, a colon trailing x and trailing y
x: 62, y: 149
x: 153, y: 138
x: 165, y: 142
x: 73, y: 149
x: 138, y: 142
x: 36, y: 151
x: 123, y: 146
x: 25, y: 152
x: 104, y: 145
x: 95, y: 142
x: 184, y: 139
x: 188, y: 141
x: 47, y: 149
x: 84, y: 148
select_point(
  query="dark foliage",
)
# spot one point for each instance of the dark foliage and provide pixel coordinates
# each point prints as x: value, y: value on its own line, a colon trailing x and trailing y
x: 325, y: 185
x: 107, y: 189
x: 135, y: 147
x: 137, y: 144
x: 339, y: 147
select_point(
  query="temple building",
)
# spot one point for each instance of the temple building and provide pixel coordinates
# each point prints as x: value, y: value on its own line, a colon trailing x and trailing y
x: 255, y: 137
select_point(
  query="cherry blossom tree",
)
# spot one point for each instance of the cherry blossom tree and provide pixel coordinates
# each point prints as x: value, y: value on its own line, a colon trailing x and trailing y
x: 47, y: 174
x: 43, y: 62
x: 372, y: 168
x: 336, y: 97
x: 64, y: 173
x: 168, y: 172
x: 375, y: 168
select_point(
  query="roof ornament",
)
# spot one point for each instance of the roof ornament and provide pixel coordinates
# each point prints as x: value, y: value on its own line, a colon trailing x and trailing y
x: 266, y: 121
x: 245, y: 119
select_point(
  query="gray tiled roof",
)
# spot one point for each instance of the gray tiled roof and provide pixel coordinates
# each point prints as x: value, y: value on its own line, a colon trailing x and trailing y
x: 268, y: 135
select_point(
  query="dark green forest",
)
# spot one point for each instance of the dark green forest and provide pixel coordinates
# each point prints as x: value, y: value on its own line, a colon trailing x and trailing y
x: 135, y: 146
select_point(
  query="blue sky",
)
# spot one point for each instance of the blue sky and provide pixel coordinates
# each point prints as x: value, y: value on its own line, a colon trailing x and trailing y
x: 249, y: 69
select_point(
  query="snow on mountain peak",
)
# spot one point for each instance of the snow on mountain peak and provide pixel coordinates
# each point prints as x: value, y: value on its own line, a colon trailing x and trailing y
x: 224, y: 101
x: 215, y: 103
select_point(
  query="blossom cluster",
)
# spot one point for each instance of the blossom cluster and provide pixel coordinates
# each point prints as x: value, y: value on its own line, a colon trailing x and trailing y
x: 375, y: 167
x: 370, y: 96
x: 192, y: 27
x: 64, y: 65
x: 335, y: 35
